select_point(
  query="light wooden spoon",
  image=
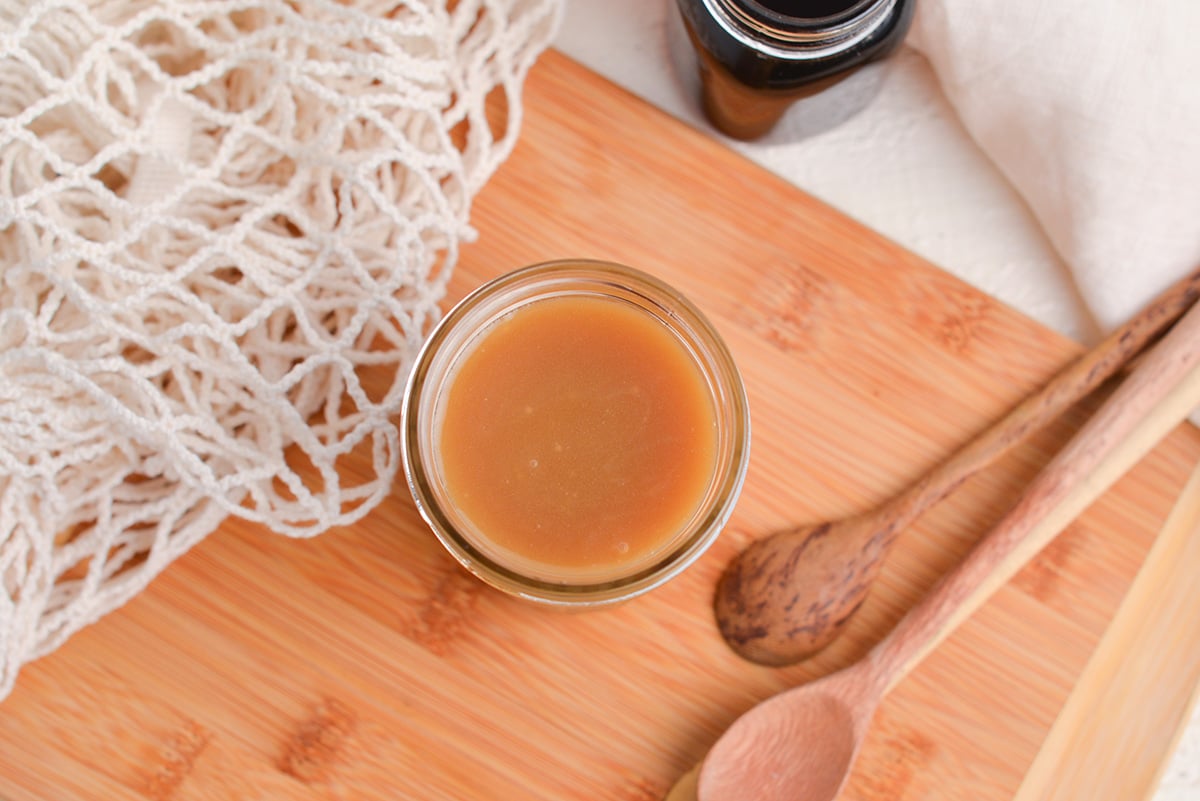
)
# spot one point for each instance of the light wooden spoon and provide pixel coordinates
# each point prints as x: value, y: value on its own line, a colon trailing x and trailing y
x: 801, y: 744
x: 790, y: 594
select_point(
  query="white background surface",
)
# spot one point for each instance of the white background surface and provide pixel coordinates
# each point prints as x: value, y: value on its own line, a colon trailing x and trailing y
x: 902, y: 165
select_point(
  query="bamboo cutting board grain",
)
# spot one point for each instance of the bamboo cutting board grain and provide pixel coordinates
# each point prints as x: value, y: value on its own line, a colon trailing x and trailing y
x: 365, y: 664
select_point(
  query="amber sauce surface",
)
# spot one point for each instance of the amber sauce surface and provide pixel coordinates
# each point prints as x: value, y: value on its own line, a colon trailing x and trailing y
x: 578, y: 434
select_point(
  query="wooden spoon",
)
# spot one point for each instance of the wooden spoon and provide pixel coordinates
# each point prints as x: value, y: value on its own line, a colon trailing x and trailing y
x: 790, y: 594
x: 800, y: 744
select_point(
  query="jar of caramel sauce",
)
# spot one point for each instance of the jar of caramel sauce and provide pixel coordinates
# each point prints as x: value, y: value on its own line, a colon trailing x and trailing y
x: 758, y: 57
x: 575, y: 433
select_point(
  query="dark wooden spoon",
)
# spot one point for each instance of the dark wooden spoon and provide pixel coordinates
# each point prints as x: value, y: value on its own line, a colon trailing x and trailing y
x: 789, y: 595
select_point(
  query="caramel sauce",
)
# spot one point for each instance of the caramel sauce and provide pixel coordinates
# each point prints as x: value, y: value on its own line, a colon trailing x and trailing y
x: 579, y: 434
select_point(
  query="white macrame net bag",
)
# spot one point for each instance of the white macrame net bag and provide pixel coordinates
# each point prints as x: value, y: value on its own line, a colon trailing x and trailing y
x: 217, y: 217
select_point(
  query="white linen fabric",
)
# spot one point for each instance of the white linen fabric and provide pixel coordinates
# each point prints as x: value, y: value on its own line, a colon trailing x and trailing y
x: 214, y: 216
x: 1092, y: 111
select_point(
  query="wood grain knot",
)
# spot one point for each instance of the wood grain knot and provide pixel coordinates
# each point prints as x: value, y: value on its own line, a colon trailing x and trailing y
x: 953, y: 314
x: 1043, y: 577
x: 313, y: 750
x: 902, y: 772
x: 446, y: 613
x: 176, y: 760
x: 788, y: 307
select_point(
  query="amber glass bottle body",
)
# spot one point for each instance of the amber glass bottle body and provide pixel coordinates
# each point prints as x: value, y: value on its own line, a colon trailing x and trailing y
x: 758, y: 57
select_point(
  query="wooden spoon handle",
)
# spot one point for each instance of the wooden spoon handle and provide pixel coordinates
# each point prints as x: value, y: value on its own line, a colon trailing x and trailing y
x: 1068, y: 387
x: 1128, y: 425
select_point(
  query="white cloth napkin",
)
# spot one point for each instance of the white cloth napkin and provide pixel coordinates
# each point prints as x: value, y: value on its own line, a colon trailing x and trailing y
x: 1091, y: 108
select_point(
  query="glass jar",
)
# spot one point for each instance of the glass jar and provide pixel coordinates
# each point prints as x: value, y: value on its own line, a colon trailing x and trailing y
x: 758, y: 57
x: 458, y: 335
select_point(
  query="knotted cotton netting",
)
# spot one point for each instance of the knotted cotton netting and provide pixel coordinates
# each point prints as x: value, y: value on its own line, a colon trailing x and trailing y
x: 225, y: 226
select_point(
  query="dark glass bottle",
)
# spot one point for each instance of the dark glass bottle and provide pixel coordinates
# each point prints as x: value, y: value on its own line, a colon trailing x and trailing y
x: 757, y: 58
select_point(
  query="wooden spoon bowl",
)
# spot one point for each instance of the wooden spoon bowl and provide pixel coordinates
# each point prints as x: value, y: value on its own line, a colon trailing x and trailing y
x: 788, y: 596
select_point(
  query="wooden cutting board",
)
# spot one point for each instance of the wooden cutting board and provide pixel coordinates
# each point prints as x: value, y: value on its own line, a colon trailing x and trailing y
x: 365, y: 664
